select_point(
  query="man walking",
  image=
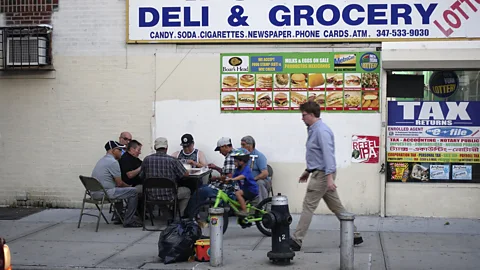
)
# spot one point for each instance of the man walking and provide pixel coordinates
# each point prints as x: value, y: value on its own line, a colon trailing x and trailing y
x: 321, y: 165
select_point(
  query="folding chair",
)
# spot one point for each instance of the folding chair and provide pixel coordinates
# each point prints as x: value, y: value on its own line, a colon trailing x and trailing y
x: 92, y: 185
x: 149, y: 185
x: 270, y: 174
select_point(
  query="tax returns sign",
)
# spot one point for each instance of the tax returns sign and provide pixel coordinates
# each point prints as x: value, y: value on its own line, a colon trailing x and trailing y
x: 302, y: 21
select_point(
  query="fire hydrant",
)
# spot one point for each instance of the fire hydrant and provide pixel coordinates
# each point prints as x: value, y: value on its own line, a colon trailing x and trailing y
x: 279, y: 220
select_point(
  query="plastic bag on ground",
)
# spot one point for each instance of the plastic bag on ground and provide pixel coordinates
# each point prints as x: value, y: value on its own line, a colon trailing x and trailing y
x: 176, y: 242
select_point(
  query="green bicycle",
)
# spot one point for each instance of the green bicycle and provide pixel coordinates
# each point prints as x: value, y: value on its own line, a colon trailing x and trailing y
x: 256, y: 212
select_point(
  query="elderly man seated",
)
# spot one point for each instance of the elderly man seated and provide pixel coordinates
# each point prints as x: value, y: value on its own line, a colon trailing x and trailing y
x: 162, y: 165
x: 259, y: 167
x: 107, y: 172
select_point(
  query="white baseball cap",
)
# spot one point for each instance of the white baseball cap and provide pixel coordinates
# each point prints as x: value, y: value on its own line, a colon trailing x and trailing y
x: 161, y: 142
x: 223, y: 141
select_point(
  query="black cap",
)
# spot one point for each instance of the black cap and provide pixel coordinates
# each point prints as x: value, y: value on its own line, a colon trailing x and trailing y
x: 186, y: 139
x: 113, y: 144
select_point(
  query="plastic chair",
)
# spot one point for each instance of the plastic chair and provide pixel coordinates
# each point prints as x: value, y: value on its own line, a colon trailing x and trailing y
x: 150, y: 185
x: 93, y: 185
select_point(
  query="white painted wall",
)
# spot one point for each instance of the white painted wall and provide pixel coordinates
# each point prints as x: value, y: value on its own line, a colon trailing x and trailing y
x: 187, y: 100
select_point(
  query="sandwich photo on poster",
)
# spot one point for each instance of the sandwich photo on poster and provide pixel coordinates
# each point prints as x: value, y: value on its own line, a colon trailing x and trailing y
x: 246, y: 101
x: 352, y: 100
x: 281, y: 101
x: 370, y: 81
x: 334, y: 100
x: 297, y: 99
x: 318, y: 97
x: 264, y: 101
x: 264, y: 82
x: 298, y: 81
x: 247, y: 82
x: 335, y: 81
x: 353, y: 81
x: 370, y: 101
x: 229, y: 101
x: 230, y: 82
x: 282, y: 82
x: 316, y: 81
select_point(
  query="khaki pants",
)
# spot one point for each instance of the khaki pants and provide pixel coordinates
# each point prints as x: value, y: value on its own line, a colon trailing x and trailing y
x: 316, y: 190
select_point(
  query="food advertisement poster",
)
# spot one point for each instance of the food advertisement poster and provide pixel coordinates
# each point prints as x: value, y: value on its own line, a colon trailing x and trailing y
x: 281, y: 82
x: 365, y: 149
x: 435, y: 132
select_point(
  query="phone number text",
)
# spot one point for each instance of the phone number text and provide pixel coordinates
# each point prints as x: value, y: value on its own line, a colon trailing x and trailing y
x: 403, y: 33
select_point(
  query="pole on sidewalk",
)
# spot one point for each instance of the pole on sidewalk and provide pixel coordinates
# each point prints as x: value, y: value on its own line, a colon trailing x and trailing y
x: 346, y: 241
x: 216, y: 236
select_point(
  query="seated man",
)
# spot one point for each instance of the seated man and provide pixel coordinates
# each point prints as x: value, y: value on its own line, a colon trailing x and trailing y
x: 161, y: 165
x: 190, y: 155
x: 224, y: 146
x: 248, y: 189
x: 124, y: 138
x: 131, y: 165
x: 107, y: 172
x: 259, y: 167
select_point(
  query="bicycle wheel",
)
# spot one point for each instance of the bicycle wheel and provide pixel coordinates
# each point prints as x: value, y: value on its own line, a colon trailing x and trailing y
x: 265, y: 205
x: 201, y: 215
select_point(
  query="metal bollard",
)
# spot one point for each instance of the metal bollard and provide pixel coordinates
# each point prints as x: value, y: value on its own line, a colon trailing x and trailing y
x: 216, y: 236
x: 346, y: 241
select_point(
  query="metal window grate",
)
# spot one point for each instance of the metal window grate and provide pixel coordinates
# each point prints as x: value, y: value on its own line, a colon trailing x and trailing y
x: 26, y: 48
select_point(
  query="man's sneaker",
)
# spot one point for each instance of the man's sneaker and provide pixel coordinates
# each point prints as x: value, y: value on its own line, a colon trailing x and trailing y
x: 357, y: 240
x: 294, y: 245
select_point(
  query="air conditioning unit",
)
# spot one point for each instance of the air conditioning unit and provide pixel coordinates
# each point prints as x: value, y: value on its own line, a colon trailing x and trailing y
x: 26, y: 51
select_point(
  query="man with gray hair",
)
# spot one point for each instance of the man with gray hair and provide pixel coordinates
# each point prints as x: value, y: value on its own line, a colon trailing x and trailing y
x: 259, y: 167
x: 162, y: 165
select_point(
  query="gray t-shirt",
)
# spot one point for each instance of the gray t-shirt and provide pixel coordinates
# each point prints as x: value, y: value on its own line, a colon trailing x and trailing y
x: 106, y: 170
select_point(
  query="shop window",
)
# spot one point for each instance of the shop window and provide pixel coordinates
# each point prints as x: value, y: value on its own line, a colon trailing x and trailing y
x: 437, y: 141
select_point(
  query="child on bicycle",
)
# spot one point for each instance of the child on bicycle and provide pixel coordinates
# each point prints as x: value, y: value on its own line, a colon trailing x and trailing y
x: 248, y: 189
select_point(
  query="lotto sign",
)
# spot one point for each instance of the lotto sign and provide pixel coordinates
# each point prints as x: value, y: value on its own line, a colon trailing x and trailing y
x: 365, y: 149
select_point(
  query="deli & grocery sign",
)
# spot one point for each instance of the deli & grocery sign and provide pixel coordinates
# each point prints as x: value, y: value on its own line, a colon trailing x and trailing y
x: 302, y: 21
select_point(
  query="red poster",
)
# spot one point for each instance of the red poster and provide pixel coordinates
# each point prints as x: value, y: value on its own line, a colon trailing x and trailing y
x: 365, y: 149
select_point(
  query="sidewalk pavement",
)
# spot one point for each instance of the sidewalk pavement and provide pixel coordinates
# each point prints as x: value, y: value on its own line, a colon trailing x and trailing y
x: 50, y: 240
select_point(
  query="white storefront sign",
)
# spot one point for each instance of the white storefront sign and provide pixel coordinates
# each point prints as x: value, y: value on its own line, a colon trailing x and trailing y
x: 302, y: 21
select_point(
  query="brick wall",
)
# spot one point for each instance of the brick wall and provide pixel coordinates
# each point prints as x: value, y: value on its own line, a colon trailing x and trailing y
x: 28, y: 12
